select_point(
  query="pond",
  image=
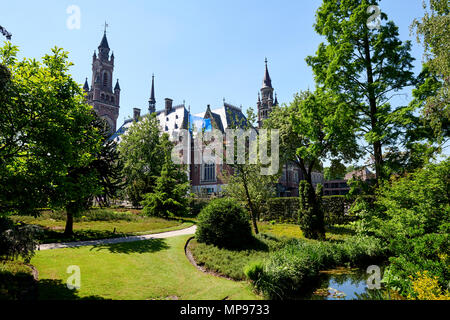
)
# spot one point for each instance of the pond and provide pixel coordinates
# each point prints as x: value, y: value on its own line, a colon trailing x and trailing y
x: 339, y: 284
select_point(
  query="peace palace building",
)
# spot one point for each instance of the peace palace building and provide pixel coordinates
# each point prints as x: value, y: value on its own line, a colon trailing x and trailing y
x: 205, y: 178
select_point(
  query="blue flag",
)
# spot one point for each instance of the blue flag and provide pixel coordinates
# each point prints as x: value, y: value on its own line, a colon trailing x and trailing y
x: 199, y: 123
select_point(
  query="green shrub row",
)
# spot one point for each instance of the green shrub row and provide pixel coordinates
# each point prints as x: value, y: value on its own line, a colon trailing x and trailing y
x: 286, y: 271
x: 285, y: 210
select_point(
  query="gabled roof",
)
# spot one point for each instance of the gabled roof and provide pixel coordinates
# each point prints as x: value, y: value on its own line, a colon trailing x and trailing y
x: 226, y: 117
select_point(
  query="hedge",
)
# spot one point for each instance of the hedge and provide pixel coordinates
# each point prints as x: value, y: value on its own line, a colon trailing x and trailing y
x: 284, y: 210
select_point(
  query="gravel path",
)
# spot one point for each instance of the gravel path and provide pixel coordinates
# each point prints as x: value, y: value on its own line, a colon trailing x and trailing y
x: 170, y: 234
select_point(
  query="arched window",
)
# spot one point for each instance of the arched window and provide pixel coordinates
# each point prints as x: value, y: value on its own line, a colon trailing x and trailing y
x: 112, y: 99
x: 107, y: 98
x: 102, y: 96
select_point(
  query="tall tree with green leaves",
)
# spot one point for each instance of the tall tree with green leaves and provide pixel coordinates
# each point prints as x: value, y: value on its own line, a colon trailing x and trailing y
x: 108, y: 165
x: 433, y: 31
x: 245, y: 181
x: 366, y: 67
x: 142, y: 151
x: 315, y: 127
x: 169, y: 198
x: 46, y: 136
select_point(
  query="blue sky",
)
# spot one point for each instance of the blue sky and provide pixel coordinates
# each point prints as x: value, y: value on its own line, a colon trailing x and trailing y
x: 200, y: 51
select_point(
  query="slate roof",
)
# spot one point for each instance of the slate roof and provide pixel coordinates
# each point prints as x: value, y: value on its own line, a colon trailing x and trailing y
x: 223, y: 118
x: 104, y: 43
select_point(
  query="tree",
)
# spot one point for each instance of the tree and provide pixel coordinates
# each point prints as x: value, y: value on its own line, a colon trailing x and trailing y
x: 46, y: 136
x: 108, y: 165
x: 336, y: 171
x: 104, y: 172
x: 310, y: 213
x: 169, y: 198
x: 316, y: 126
x: 143, y: 154
x: 433, y: 31
x: 365, y: 68
x: 245, y: 183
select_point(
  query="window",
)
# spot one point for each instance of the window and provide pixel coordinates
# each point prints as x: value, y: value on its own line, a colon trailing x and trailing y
x: 105, y: 79
x: 209, y: 172
x: 112, y: 99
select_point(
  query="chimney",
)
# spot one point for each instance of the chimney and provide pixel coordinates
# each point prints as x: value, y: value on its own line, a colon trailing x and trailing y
x: 168, y: 105
x: 136, y: 114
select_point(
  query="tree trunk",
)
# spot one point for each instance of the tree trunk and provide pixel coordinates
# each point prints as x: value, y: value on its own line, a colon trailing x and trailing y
x: 377, y: 147
x: 250, y: 204
x: 69, y: 223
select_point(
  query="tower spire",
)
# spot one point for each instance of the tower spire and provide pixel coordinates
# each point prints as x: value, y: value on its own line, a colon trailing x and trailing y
x: 267, y: 82
x: 152, y: 100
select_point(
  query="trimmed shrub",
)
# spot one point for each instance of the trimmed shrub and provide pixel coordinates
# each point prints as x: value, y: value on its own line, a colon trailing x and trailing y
x: 224, y: 223
x: 310, y: 214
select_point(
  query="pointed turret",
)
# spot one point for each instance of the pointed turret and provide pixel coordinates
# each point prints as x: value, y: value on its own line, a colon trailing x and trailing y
x: 86, y: 86
x: 267, y: 82
x: 117, y: 87
x: 275, y: 103
x: 265, y: 102
x: 103, y: 48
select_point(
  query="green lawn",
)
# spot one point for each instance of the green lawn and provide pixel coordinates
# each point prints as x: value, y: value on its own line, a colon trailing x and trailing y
x: 101, y: 224
x: 289, y: 230
x: 153, y: 269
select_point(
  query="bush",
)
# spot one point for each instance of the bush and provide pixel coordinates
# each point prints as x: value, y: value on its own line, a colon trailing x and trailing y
x: 254, y: 270
x: 16, y: 281
x: 17, y: 240
x: 197, y: 205
x: 224, y: 223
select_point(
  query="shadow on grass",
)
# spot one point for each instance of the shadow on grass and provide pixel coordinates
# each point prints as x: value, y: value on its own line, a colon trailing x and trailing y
x: 146, y: 246
x: 48, y: 289
x: 51, y: 236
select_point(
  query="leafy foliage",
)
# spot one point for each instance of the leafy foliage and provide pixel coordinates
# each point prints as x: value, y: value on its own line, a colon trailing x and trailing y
x: 246, y: 183
x: 223, y: 223
x: 17, y: 240
x: 46, y: 137
x: 412, y: 217
x: 310, y: 213
x: 169, y: 198
x: 433, y: 31
x: 143, y: 155
x: 364, y: 68
x: 287, y: 270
